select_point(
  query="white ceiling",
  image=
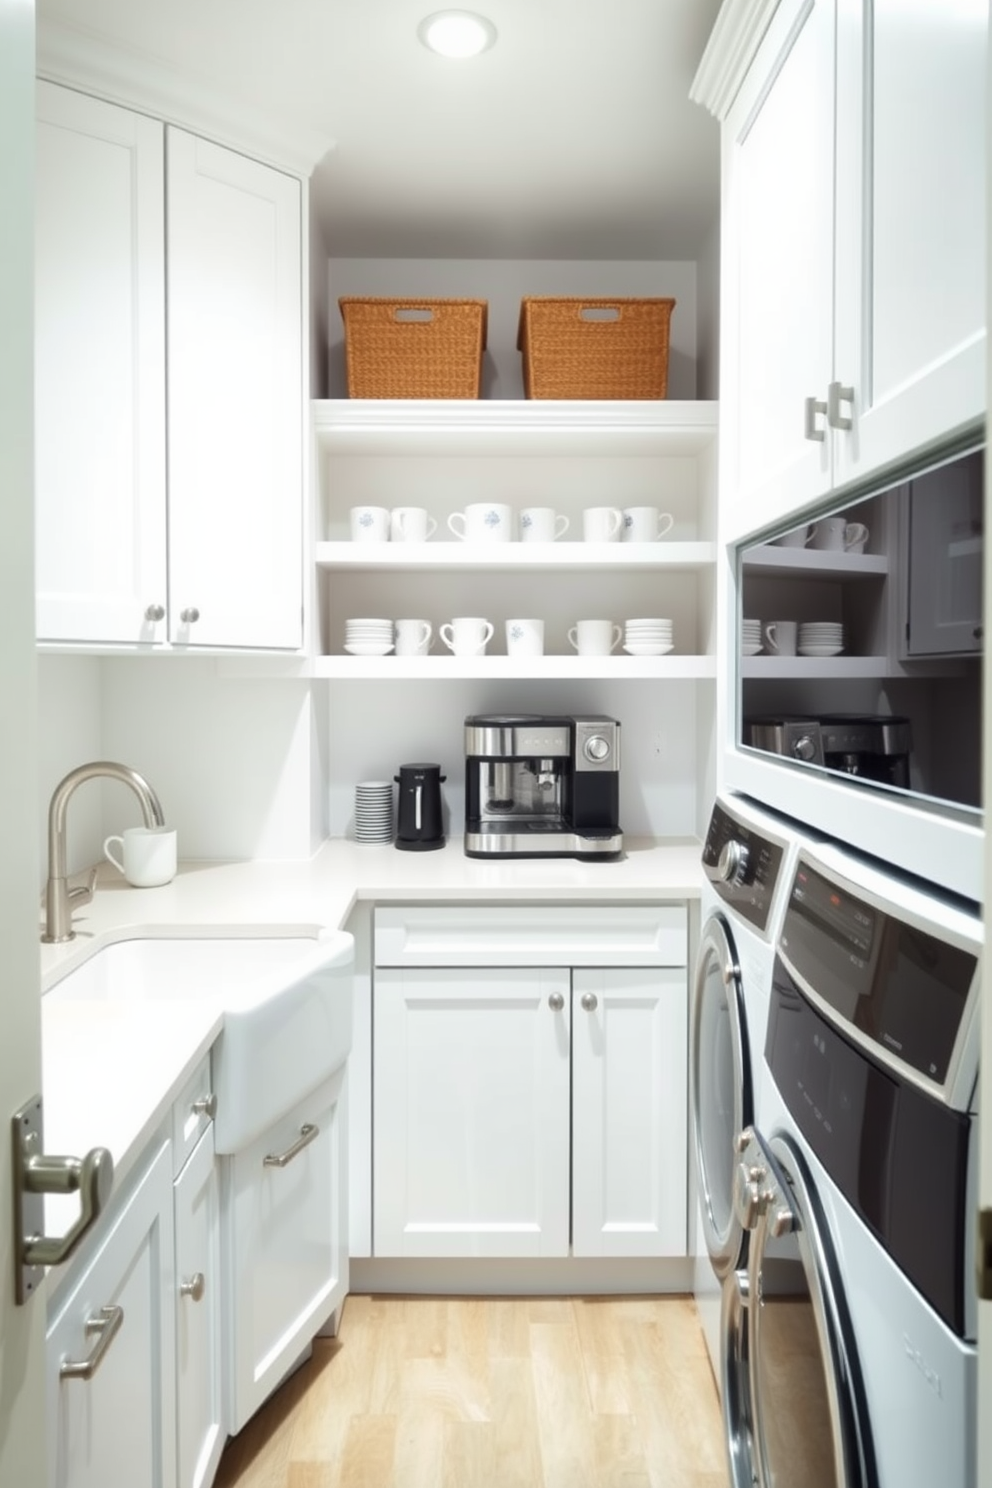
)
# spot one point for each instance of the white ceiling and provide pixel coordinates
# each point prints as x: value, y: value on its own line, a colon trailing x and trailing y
x: 572, y: 138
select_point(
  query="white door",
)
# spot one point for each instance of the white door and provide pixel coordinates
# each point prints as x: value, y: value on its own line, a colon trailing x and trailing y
x: 470, y: 1124
x: 911, y: 233
x: 22, y: 1329
x: 778, y: 159
x: 629, y: 1111
x: 199, y: 1384
x: 100, y: 371
x: 235, y: 399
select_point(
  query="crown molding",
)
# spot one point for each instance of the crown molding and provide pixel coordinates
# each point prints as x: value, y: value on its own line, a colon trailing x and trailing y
x: 733, y: 42
x: 140, y: 81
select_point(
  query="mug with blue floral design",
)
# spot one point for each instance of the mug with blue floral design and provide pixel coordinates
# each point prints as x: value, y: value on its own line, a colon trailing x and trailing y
x: 542, y: 524
x: 369, y: 524
x: 525, y: 637
x: 483, y: 521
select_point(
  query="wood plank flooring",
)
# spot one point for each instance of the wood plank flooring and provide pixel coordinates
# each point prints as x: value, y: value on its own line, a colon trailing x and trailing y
x: 441, y: 1392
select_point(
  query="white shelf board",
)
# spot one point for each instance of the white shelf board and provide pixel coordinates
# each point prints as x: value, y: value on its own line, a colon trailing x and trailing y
x: 357, y: 426
x: 497, y: 557
x: 444, y: 668
x: 775, y: 667
x: 770, y: 561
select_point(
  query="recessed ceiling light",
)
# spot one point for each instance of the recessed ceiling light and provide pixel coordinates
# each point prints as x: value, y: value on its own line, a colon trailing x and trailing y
x: 457, y: 33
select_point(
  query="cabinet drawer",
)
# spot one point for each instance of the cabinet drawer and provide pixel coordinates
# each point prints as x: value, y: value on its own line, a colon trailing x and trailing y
x: 188, y: 1122
x: 517, y: 935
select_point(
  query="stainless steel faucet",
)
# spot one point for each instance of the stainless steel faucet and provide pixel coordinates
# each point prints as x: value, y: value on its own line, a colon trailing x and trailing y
x: 60, y: 900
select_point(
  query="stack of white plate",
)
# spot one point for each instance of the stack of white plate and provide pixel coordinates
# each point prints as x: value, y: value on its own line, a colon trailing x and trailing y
x: 750, y: 637
x: 368, y: 637
x: 648, y: 637
x: 374, y: 811
x: 821, y: 638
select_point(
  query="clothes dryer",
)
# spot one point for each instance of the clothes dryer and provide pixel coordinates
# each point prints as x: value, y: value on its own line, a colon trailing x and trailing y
x: 849, y: 1358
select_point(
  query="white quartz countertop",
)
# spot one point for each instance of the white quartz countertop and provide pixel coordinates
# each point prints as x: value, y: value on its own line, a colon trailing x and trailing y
x: 112, y: 1069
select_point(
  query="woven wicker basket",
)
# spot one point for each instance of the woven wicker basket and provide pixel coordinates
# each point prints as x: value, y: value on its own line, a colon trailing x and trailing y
x: 596, y: 348
x: 414, y: 348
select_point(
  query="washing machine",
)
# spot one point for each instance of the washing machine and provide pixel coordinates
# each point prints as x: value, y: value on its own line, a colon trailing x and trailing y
x: 848, y: 1345
x: 746, y: 859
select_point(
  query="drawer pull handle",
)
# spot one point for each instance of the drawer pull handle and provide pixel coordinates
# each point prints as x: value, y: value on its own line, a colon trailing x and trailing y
x: 106, y: 1324
x: 194, y: 1286
x: 308, y: 1134
x: 205, y: 1105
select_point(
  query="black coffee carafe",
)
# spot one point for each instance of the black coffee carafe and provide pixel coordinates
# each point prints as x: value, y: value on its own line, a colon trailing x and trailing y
x: 418, y: 811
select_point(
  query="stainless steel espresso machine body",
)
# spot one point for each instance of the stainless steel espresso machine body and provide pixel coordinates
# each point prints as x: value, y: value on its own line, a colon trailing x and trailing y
x: 542, y: 786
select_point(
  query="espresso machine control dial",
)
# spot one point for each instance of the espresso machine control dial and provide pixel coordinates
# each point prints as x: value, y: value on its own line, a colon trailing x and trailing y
x: 804, y: 748
x: 596, y: 748
x: 733, y: 862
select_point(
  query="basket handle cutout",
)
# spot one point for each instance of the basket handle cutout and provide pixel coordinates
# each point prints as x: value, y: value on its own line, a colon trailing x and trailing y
x: 413, y: 314
x: 599, y: 312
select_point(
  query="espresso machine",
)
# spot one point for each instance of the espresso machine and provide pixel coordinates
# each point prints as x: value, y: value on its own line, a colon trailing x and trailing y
x: 871, y: 746
x: 540, y: 786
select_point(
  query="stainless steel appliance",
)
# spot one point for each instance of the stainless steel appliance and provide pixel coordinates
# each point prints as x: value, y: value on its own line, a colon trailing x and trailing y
x: 874, y: 746
x: 418, y: 810
x: 542, y: 786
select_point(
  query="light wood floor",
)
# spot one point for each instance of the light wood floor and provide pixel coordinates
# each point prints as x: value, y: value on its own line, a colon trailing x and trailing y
x: 425, y: 1392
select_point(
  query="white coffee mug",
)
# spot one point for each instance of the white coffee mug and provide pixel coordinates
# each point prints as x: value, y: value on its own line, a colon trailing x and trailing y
x: 483, y: 521
x: 856, y: 536
x: 645, y: 524
x: 413, y: 637
x: 411, y: 524
x: 542, y: 524
x: 799, y: 537
x: 467, y: 635
x: 602, y: 523
x: 828, y: 535
x: 594, y: 637
x: 525, y: 637
x: 369, y: 524
x: 148, y: 855
x: 780, y: 637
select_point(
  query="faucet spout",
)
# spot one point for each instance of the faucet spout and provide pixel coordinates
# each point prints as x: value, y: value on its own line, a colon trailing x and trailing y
x: 59, y: 898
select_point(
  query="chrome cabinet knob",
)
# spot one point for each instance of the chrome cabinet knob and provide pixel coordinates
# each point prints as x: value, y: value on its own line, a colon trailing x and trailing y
x: 590, y: 1001
x: 194, y: 1286
x: 155, y: 612
x: 205, y: 1105
x: 556, y: 1002
x: 189, y: 616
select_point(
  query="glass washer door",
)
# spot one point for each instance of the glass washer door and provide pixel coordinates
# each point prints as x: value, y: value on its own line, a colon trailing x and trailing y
x: 720, y: 1076
x: 804, y: 1392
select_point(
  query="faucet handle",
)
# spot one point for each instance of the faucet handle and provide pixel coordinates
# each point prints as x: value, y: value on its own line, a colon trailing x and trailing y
x: 83, y: 893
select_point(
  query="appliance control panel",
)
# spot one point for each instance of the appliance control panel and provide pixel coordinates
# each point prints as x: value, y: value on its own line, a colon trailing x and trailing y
x: 742, y: 865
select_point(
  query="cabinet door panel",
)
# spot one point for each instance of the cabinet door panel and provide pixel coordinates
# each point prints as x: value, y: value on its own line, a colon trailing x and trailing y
x: 235, y: 398
x: 118, y: 1429
x: 471, y: 1138
x: 99, y: 370
x: 629, y: 1130
x: 199, y: 1399
x: 780, y: 213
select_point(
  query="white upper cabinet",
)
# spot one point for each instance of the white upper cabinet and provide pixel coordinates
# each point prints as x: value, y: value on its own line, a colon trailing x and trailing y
x: 235, y: 426
x: 99, y: 369
x: 853, y: 244
x: 169, y: 386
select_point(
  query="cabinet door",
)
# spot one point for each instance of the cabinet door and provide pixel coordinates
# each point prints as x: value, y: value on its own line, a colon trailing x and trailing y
x: 284, y: 1222
x: 778, y: 160
x: 470, y: 1125
x: 629, y: 1132
x: 911, y: 234
x: 199, y: 1399
x: 235, y: 399
x: 118, y: 1428
x: 946, y: 536
x: 99, y: 370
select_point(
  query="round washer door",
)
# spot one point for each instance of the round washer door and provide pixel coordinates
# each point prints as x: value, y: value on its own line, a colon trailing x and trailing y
x: 807, y: 1407
x: 721, y: 1097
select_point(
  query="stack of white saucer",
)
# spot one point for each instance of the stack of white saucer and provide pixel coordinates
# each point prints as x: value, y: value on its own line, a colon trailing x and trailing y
x: 374, y: 811
x: 750, y: 637
x: 368, y: 637
x: 651, y: 637
x: 821, y: 638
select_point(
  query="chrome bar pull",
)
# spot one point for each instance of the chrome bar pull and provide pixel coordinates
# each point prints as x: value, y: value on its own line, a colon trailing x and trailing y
x: 105, y: 1326
x: 813, y: 410
x: 35, y: 1174
x: 308, y: 1134
x: 836, y: 395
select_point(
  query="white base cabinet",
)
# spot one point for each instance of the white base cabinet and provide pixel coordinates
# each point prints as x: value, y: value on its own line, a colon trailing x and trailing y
x: 285, y: 1256
x: 117, y: 1429
x: 199, y: 1385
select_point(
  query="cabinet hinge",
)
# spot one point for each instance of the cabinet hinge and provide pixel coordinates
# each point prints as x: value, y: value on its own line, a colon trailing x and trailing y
x: 983, y: 1255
